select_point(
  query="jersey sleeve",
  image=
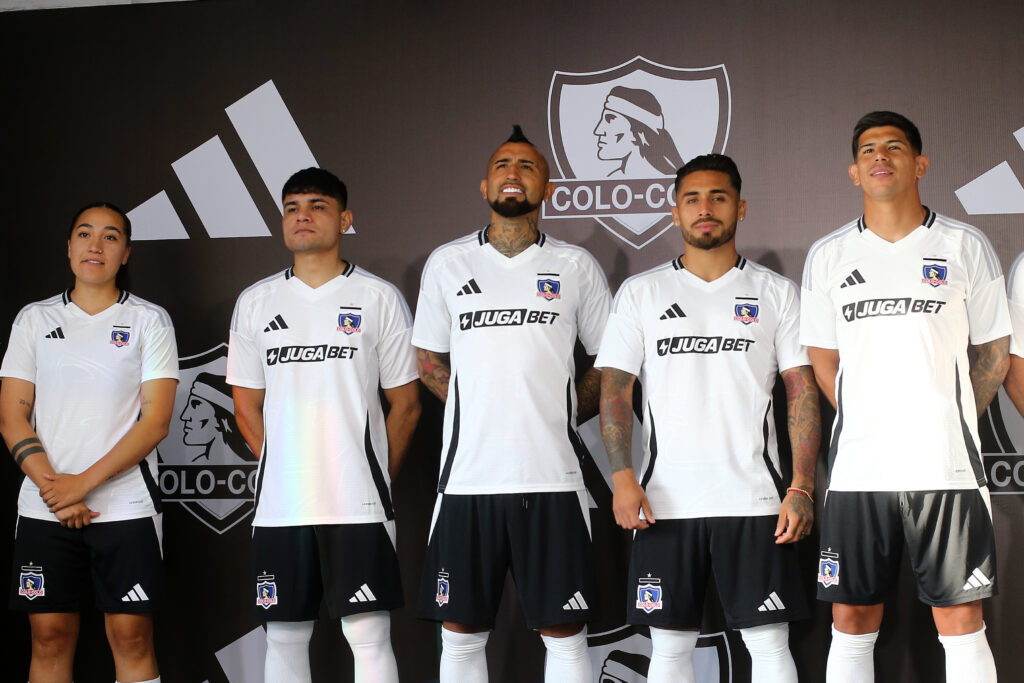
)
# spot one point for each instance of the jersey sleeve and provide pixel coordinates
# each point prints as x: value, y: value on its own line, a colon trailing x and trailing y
x: 432, y: 328
x: 595, y: 302
x: 987, y: 311
x: 245, y: 366
x: 20, y: 358
x: 789, y: 352
x: 1015, y: 289
x: 395, y: 354
x: 622, y: 346
x: 817, y: 314
x: 160, y: 351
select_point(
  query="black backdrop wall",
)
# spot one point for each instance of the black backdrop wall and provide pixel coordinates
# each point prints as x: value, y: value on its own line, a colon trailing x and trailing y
x: 192, y: 114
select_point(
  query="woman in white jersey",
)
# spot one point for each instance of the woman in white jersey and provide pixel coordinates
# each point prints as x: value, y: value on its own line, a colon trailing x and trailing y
x: 88, y: 388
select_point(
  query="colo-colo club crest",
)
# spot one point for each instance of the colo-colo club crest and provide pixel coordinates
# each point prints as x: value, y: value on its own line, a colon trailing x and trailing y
x: 205, y: 464
x: 619, y: 135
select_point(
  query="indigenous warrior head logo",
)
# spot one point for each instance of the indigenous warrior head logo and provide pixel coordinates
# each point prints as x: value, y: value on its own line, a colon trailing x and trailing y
x: 934, y: 274
x: 205, y: 464
x: 349, y: 323
x: 442, y: 589
x: 828, y: 569
x: 549, y: 289
x: 30, y: 583
x: 746, y: 313
x: 619, y: 135
x: 266, y: 591
x: 119, y: 338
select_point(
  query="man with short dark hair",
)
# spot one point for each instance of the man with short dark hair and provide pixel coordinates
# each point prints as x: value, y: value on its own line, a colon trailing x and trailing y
x: 708, y: 334
x: 890, y: 303
x: 309, y: 350
x: 498, y: 316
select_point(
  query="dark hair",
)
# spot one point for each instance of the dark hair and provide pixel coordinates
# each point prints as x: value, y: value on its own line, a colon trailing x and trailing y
x: 710, y: 162
x: 518, y: 136
x: 877, y: 119
x: 316, y: 181
x: 103, y: 205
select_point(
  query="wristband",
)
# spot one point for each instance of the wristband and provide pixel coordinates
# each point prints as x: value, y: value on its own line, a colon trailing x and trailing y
x: 794, y: 489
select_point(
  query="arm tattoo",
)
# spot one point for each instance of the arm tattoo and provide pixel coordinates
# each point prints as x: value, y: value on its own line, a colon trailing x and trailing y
x: 25, y: 448
x: 435, y: 371
x: 989, y: 364
x: 588, y: 393
x: 804, y: 422
x: 23, y: 402
x: 617, y: 417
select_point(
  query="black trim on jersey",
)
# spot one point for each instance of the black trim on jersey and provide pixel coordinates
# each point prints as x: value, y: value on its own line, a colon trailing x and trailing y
x: 740, y: 262
x: 375, y: 472
x: 349, y: 269
x: 677, y: 263
x: 775, y: 475
x: 837, y: 427
x: 929, y: 220
x: 483, y: 239
x: 453, y: 445
x: 578, y: 447
x: 259, y: 477
x: 124, y: 296
x: 66, y: 296
x: 290, y: 273
x: 654, y: 453
x: 972, y: 448
x: 151, y: 486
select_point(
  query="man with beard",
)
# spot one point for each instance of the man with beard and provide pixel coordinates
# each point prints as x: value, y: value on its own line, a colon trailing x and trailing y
x: 708, y: 333
x: 498, y: 317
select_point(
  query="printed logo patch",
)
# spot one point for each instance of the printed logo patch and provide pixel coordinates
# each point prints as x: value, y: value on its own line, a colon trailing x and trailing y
x: 746, y: 313
x: 648, y: 595
x: 30, y: 583
x: 934, y: 274
x: 828, y: 569
x: 349, y: 323
x: 119, y: 338
x: 442, y: 589
x: 549, y: 289
x: 266, y: 591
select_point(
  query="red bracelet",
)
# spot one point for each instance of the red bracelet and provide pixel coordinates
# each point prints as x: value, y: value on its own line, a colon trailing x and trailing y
x: 793, y: 489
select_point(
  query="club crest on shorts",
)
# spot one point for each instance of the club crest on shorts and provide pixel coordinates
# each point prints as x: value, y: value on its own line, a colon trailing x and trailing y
x: 31, y: 582
x: 266, y: 591
x: 934, y: 274
x: 746, y: 313
x: 442, y: 589
x: 119, y: 338
x: 549, y: 289
x: 349, y: 323
x: 828, y: 569
x: 648, y: 594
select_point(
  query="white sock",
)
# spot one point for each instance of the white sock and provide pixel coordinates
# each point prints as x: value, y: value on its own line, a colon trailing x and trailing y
x: 969, y: 658
x: 369, y: 636
x: 463, y: 658
x: 152, y: 680
x: 851, y: 658
x: 672, y: 656
x: 288, y: 651
x: 770, y: 658
x: 567, y: 659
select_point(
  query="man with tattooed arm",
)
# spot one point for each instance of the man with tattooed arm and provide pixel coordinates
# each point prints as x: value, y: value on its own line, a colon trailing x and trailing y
x: 498, y: 316
x: 707, y: 334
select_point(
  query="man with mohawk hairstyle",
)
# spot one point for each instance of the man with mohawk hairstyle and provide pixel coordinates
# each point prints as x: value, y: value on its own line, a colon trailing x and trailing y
x: 498, y: 317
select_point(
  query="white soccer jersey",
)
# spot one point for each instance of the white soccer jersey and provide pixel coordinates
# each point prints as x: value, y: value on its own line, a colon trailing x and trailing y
x: 901, y: 315
x: 707, y: 354
x: 1015, y: 291
x: 88, y: 371
x: 321, y: 355
x: 510, y: 325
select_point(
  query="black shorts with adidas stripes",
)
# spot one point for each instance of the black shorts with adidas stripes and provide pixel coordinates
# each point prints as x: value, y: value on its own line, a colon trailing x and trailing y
x: 120, y: 563
x: 758, y: 581
x: 353, y: 568
x: 948, y: 536
x: 543, y: 538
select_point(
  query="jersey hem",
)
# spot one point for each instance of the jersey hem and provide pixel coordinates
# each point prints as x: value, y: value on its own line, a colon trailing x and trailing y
x: 319, y: 521
x: 489, y: 491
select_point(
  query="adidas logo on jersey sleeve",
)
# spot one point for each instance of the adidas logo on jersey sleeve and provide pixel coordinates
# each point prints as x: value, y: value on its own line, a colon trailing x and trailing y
x: 673, y: 311
x: 277, y: 323
x: 55, y: 334
x: 470, y: 287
